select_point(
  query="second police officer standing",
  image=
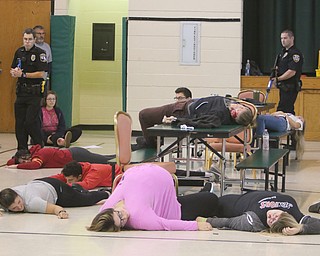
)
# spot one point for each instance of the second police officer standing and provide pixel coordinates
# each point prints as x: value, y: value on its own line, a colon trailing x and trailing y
x: 29, y: 66
x: 289, y: 68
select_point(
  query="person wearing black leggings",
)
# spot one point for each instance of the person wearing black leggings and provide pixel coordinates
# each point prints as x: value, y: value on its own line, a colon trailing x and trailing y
x: 47, y: 195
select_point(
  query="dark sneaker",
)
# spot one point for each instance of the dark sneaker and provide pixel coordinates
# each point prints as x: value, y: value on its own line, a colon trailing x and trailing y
x: 315, y: 208
x: 79, y: 188
x: 110, y: 157
x: 208, y: 187
x: 107, y: 190
x: 141, y: 140
x: 135, y: 147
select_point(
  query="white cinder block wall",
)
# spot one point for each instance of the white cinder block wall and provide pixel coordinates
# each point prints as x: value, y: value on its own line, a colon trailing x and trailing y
x: 154, y: 70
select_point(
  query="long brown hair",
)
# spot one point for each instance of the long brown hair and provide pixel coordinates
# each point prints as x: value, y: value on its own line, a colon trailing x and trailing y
x: 104, y: 222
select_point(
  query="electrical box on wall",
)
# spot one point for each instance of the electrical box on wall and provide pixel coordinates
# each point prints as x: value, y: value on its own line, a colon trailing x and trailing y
x: 103, y: 39
x: 190, y: 43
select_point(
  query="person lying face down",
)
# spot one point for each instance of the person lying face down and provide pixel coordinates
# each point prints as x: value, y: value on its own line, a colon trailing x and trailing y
x: 266, y: 211
x: 210, y: 111
x: 145, y: 199
x: 37, y: 157
x: 86, y: 175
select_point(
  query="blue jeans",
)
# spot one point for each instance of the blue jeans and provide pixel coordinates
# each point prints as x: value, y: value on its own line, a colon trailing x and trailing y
x: 273, y: 123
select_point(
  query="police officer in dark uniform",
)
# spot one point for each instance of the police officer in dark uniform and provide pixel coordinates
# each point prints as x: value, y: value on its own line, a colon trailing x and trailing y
x: 289, y: 68
x: 29, y: 66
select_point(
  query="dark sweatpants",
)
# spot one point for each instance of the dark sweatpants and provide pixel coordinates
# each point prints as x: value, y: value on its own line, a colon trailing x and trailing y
x: 202, y: 204
x: 69, y: 197
x: 84, y: 155
x: 150, y: 116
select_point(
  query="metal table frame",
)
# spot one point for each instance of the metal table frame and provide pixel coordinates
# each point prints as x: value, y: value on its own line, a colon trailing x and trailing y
x: 223, y: 132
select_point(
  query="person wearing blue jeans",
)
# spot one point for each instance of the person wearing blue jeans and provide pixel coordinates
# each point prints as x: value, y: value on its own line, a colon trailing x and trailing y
x: 280, y: 122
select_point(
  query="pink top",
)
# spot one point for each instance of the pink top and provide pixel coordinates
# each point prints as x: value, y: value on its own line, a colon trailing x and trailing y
x: 50, y: 120
x: 150, y: 198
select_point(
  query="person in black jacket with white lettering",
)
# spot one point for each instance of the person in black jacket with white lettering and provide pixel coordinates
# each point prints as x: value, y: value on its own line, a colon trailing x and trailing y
x: 263, y: 211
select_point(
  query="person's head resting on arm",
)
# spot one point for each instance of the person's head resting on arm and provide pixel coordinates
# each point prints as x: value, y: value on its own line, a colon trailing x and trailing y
x: 22, y: 156
x: 282, y: 222
x: 241, y: 114
x: 72, y: 171
x: 11, y: 201
x: 109, y: 220
x: 183, y: 93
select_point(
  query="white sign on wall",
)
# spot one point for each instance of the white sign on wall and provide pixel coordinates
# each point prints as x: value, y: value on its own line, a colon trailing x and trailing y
x: 190, y: 43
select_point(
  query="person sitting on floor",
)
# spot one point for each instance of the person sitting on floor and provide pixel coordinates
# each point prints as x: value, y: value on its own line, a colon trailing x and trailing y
x: 37, y: 157
x: 47, y: 195
x: 145, y: 199
x: 53, y: 125
x: 267, y: 211
x: 206, y: 112
x: 87, y: 176
x: 280, y: 122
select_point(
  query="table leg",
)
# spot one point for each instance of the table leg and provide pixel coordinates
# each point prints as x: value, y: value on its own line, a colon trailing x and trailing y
x: 276, y: 174
x: 158, y: 144
x: 188, y: 156
x: 223, y: 167
x: 284, y: 165
x: 266, y: 182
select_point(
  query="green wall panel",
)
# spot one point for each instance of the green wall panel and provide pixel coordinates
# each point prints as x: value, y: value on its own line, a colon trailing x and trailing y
x: 62, y: 45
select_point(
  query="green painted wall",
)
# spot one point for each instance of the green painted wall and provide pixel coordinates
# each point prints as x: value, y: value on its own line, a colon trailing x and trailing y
x: 97, y: 84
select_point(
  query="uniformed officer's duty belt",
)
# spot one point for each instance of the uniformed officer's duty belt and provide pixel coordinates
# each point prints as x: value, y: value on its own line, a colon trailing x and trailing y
x: 23, y: 88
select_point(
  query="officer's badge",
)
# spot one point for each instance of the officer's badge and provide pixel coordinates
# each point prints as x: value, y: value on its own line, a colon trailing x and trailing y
x: 33, y: 57
x: 43, y: 57
x: 296, y: 58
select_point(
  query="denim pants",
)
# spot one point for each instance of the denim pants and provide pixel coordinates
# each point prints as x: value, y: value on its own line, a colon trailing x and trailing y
x: 272, y: 123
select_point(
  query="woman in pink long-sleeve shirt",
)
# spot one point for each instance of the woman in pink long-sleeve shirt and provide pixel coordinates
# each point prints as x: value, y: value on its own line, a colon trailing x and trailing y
x: 145, y: 199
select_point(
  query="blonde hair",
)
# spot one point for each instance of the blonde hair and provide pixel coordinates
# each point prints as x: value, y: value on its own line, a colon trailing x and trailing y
x: 245, y: 118
x: 285, y: 220
x: 104, y: 222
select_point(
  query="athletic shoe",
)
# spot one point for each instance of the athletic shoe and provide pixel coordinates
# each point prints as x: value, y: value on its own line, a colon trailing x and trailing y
x: 79, y: 188
x: 208, y: 187
x: 141, y: 140
x: 315, y: 208
x: 107, y: 190
x: 67, y: 139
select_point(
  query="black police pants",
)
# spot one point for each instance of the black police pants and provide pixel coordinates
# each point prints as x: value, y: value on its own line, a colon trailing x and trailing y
x: 26, y: 109
x: 287, y: 100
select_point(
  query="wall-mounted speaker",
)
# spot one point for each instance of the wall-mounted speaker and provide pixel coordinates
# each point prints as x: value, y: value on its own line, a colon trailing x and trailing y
x: 103, y: 38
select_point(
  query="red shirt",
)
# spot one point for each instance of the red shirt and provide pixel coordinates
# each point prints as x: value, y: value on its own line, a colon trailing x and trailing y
x: 45, y: 158
x: 93, y: 175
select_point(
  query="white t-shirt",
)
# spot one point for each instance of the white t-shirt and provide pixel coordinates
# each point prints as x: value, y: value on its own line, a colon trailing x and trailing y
x: 295, y: 119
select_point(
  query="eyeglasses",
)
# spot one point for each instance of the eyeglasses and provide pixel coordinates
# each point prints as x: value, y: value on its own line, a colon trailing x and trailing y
x: 53, y: 99
x: 121, y: 218
x: 179, y: 98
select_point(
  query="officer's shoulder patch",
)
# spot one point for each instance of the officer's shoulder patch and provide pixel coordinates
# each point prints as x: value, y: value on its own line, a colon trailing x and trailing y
x: 296, y: 58
x: 43, y: 57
